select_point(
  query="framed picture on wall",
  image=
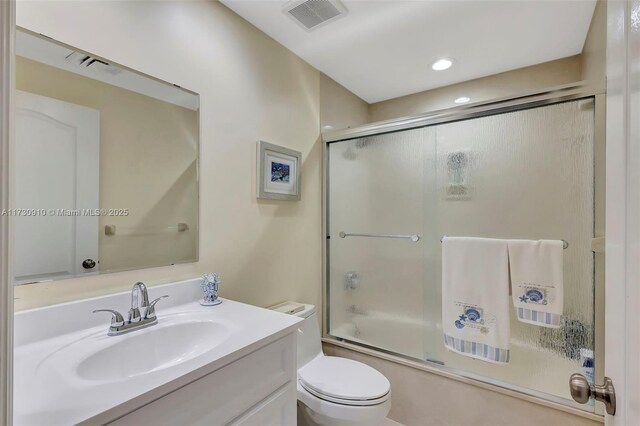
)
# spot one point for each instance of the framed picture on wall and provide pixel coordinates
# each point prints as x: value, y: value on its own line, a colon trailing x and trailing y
x: 278, y: 172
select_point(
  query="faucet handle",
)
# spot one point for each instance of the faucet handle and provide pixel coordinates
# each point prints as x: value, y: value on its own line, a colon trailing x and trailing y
x: 134, y: 315
x: 116, y: 317
x: 150, y: 313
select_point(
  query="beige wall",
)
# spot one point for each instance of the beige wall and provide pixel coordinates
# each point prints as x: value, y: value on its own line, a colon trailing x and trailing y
x: 421, y: 398
x: 339, y: 108
x: 148, y: 162
x: 594, y: 53
x: 251, y: 88
x: 522, y: 80
x: 594, y: 72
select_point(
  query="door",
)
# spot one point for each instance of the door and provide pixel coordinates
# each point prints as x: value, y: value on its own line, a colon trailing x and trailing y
x: 56, y: 184
x: 622, y: 342
x: 7, y: 57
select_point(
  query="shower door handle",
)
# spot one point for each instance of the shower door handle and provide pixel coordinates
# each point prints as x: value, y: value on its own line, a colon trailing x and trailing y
x: 582, y: 390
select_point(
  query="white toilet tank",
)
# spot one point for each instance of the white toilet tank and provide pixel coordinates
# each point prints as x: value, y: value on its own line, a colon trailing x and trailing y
x: 309, y: 344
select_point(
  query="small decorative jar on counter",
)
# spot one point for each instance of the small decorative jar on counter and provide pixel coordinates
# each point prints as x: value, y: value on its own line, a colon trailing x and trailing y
x: 210, y: 283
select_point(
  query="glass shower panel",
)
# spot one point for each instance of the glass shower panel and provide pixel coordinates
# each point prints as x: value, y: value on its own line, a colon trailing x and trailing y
x: 377, y: 284
x: 525, y: 174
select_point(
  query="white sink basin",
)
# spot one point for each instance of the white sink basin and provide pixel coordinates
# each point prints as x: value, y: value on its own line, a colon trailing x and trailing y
x: 176, y: 339
x: 160, y: 346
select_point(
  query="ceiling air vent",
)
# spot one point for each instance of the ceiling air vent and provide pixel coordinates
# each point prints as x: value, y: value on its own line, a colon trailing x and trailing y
x: 85, y: 61
x: 311, y: 14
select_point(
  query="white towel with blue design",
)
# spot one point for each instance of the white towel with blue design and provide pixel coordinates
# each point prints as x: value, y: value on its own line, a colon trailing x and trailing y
x: 537, y: 281
x: 475, y: 298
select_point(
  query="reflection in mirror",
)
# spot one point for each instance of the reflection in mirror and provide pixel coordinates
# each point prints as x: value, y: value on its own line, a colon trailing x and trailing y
x: 105, y: 166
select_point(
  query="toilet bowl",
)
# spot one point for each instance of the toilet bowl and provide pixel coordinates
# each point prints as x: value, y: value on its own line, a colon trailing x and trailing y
x: 336, y: 391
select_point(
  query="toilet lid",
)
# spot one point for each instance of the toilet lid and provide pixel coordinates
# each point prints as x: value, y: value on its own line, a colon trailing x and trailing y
x: 343, y: 379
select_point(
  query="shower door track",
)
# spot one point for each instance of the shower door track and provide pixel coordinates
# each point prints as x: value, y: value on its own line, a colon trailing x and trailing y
x: 553, y: 95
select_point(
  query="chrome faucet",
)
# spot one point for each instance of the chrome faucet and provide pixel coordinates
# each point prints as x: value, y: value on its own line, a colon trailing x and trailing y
x: 136, y: 319
x: 139, y: 299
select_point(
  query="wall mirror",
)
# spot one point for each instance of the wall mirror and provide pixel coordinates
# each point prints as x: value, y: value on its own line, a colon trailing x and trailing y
x: 106, y: 166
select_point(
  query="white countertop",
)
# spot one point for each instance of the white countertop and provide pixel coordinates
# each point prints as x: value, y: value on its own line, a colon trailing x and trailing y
x: 45, y: 392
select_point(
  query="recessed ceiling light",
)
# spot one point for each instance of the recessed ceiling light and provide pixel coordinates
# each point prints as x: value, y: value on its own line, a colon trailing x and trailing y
x: 442, y: 64
x: 462, y: 100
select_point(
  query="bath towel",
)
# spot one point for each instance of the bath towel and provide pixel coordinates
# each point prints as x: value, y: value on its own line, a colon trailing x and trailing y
x: 475, y: 298
x: 536, y: 281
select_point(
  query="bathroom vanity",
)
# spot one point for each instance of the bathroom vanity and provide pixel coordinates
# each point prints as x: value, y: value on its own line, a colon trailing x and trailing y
x: 227, y: 364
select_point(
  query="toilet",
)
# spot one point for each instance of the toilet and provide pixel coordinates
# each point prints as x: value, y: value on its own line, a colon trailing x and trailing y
x: 333, y: 390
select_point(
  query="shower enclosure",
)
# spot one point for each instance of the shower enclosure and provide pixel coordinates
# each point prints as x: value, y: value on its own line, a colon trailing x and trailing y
x: 522, y: 171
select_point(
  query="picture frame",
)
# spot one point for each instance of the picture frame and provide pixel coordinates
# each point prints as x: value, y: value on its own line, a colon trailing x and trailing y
x: 278, y: 172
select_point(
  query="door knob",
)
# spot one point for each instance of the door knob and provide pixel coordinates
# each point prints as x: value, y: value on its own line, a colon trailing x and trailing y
x: 89, y: 264
x: 582, y: 390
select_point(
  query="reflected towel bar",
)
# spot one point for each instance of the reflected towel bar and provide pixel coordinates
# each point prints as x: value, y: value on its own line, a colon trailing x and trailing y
x: 414, y: 237
x: 565, y: 244
x: 110, y: 230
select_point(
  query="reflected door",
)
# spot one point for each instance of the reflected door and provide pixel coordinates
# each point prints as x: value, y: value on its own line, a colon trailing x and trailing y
x: 56, y: 158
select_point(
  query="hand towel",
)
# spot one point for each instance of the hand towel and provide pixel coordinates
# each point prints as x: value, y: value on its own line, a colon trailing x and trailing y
x: 536, y: 281
x: 475, y: 298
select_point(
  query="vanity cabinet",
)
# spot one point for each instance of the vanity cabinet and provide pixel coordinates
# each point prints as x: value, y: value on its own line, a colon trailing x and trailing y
x: 199, y: 365
x: 257, y: 389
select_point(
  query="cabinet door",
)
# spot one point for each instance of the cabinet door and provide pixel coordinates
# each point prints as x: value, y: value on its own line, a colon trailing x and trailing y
x: 228, y: 393
x: 276, y: 410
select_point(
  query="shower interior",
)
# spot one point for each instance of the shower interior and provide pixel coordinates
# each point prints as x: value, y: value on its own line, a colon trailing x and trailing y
x: 529, y: 173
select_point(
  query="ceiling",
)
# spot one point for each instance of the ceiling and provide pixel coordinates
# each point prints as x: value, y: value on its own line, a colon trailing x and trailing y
x: 384, y: 49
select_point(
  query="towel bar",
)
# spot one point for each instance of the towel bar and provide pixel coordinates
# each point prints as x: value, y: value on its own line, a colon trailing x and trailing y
x: 110, y: 230
x: 565, y: 244
x: 414, y: 237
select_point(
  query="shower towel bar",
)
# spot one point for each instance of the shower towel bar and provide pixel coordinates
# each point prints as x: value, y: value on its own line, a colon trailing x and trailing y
x: 565, y: 244
x: 414, y: 237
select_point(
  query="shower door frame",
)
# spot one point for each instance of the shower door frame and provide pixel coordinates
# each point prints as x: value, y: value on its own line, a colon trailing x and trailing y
x: 554, y: 95
x: 7, y: 78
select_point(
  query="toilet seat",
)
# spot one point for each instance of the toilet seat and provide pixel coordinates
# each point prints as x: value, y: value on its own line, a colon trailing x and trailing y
x: 344, y: 381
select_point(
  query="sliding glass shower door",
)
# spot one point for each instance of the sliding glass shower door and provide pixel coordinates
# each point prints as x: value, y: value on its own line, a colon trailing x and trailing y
x: 524, y: 174
x: 378, y: 284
